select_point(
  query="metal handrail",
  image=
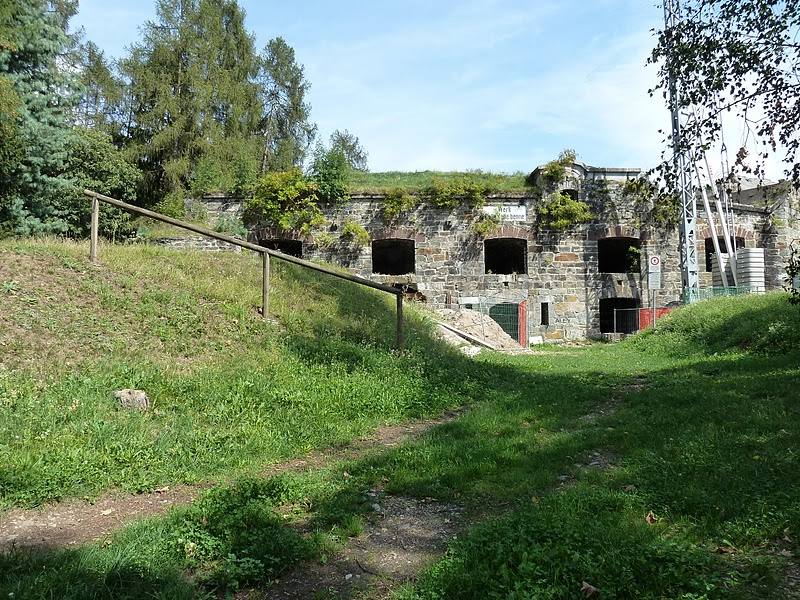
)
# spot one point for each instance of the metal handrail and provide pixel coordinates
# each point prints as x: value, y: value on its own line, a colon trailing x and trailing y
x: 265, y: 252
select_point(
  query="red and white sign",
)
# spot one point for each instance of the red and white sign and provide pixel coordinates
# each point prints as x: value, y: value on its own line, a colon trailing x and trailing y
x: 655, y: 264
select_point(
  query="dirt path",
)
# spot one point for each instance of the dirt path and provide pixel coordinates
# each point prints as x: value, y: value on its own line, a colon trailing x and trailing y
x: 404, y: 536
x: 76, y: 522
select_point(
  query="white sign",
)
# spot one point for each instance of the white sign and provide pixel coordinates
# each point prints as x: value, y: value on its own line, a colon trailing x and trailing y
x: 513, y: 212
x: 654, y: 280
x: 655, y: 264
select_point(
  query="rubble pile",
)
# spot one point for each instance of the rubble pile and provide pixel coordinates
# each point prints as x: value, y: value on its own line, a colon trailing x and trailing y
x: 476, y: 324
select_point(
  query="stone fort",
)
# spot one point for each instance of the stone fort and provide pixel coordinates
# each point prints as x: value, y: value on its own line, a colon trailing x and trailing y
x: 560, y: 285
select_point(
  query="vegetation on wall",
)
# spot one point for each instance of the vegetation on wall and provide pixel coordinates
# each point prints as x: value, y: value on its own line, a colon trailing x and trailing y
x: 355, y: 232
x: 662, y: 208
x: 560, y: 212
x: 485, y: 224
x: 557, y: 210
x: 397, y: 201
x: 554, y: 172
x: 288, y: 200
x: 472, y: 188
x: 417, y: 182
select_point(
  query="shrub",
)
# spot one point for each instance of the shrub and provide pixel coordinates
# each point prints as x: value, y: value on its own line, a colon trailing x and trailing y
x: 331, y: 173
x: 173, y: 205
x: 397, y: 201
x: 560, y: 212
x: 287, y: 199
x: 355, y: 231
x: 94, y: 163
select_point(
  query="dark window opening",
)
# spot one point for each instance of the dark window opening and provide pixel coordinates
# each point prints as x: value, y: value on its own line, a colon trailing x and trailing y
x: 739, y: 243
x: 290, y: 247
x: 619, y: 255
x: 619, y: 315
x: 393, y: 257
x: 573, y: 194
x: 506, y: 256
x: 545, y: 314
x: 506, y: 314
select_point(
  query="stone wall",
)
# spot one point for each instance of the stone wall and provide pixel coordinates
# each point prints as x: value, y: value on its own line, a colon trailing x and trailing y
x: 559, y: 275
x: 196, y: 242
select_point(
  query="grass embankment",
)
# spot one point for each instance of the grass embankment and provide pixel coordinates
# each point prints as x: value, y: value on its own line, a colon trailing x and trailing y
x: 418, y: 182
x: 229, y: 391
x: 693, y: 431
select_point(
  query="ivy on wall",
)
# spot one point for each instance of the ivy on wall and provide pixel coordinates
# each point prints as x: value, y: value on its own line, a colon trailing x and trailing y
x: 485, y: 224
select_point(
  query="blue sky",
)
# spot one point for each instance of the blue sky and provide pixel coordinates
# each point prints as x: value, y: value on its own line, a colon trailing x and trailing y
x: 498, y: 85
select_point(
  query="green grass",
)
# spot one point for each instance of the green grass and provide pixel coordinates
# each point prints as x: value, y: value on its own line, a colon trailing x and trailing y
x: 418, y: 181
x: 698, y: 424
x: 230, y: 392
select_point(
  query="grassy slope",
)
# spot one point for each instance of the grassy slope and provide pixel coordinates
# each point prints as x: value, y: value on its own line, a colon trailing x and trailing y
x: 699, y: 421
x: 229, y: 390
x: 701, y: 500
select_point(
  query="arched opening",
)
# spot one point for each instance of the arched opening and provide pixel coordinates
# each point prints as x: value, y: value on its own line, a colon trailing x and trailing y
x: 619, y: 255
x: 619, y: 315
x: 290, y: 247
x: 505, y: 256
x: 393, y: 257
x: 739, y: 243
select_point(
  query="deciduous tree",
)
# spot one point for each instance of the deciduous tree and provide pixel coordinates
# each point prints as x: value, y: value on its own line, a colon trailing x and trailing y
x: 351, y: 147
x: 738, y: 57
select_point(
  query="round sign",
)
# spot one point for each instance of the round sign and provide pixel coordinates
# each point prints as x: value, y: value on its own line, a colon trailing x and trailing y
x: 655, y: 261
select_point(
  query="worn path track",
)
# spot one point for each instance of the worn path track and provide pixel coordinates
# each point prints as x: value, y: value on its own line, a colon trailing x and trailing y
x: 75, y: 522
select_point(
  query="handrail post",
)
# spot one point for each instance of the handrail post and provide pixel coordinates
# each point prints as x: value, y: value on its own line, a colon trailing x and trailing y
x: 400, y: 339
x: 265, y: 285
x: 95, y: 229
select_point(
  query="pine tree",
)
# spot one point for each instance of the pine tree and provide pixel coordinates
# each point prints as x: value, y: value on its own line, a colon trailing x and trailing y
x: 29, y: 60
x: 286, y: 126
x: 102, y: 91
x: 191, y: 88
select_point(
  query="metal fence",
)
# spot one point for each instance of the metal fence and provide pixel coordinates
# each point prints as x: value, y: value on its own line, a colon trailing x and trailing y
x: 509, y: 313
x: 625, y: 320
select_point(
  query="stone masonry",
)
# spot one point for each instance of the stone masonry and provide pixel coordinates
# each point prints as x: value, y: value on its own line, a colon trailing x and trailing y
x: 566, y: 280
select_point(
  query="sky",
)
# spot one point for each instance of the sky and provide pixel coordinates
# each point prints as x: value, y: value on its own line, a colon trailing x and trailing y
x: 497, y: 85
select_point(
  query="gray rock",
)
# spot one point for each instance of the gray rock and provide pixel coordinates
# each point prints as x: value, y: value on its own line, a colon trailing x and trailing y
x: 132, y: 399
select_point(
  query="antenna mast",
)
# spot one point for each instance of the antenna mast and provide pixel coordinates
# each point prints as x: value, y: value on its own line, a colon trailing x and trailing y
x: 688, y: 226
